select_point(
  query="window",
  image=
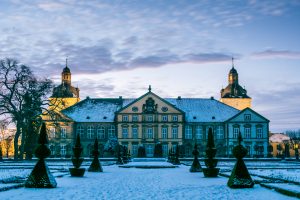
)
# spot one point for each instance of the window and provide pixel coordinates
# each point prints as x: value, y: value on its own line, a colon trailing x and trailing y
x: 199, y: 134
x: 149, y: 150
x: 259, y: 132
x: 164, y: 118
x: 63, y: 150
x: 52, y: 132
x: 63, y: 133
x: 101, y: 132
x: 52, y: 149
x: 247, y: 132
x: 135, y: 132
x: 165, y: 149
x: 236, y: 131
x: 111, y: 131
x: 150, y: 133
x: 220, y: 132
x: 80, y: 131
x: 175, y: 132
x: 90, y: 132
x: 174, y: 118
x: 247, y: 117
x: 188, y: 132
x: 125, y: 118
x: 149, y: 118
x: 125, y: 132
x: 164, y: 132
x: 134, y: 149
x: 135, y: 118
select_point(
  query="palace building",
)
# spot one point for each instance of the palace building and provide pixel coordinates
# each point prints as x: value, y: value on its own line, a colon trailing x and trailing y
x: 151, y: 119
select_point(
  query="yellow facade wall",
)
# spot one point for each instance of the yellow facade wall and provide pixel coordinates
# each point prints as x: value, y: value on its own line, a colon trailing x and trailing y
x: 238, y: 103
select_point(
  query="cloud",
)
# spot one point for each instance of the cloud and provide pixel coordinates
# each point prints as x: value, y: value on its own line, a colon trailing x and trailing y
x: 277, y: 54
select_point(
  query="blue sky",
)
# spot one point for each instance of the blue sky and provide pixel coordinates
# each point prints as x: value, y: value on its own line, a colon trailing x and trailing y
x: 182, y: 48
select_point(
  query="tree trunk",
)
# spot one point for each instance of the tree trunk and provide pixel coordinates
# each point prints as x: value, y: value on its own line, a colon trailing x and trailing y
x: 16, y: 146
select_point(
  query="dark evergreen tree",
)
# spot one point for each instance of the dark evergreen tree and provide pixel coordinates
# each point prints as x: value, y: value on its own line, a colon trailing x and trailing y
x: 40, y: 176
x: 176, y: 160
x: 125, y: 154
x: 119, y: 155
x: 158, y: 153
x: 95, y: 165
x: 196, y: 167
x: 210, y: 161
x: 240, y: 177
x: 77, y: 159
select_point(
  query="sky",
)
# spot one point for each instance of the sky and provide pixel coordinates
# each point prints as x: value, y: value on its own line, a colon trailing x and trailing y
x: 181, y: 48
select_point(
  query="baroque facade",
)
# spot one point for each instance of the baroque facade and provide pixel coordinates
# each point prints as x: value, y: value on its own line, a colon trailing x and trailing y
x: 151, y: 119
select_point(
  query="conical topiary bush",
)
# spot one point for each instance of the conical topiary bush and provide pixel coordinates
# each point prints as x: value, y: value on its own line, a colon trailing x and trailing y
x: 40, y: 176
x: 196, y: 167
x: 77, y: 159
x: 240, y: 177
x: 210, y: 161
x: 96, y: 165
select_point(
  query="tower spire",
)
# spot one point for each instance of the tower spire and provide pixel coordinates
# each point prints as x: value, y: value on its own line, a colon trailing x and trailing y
x: 232, y: 60
x: 67, y: 61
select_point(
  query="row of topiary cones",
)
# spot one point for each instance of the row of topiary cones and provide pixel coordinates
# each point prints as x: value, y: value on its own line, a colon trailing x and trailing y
x: 239, y: 178
x: 41, y: 177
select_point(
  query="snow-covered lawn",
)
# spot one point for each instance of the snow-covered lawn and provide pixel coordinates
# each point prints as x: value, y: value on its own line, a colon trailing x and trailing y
x: 133, y: 183
x: 284, y: 174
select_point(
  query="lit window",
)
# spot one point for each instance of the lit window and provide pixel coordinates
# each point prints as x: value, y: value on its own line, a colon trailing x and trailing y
x: 175, y: 132
x: 125, y: 118
x: 90, y: 132
x: 111, y: 131
x: 164, y: 132
x: 165, y: 118
x: 199, y: 134
x: 247, y: 132
x: 63, y: 132
x: 101, y: 132
x: 236, y: 131
x: 125, y: 132
x: 134, y: 132
x: 52, y: 132
x: 174, y: 118
x: 135, y: 118
x: 150, y: 133
x: 188, y: 132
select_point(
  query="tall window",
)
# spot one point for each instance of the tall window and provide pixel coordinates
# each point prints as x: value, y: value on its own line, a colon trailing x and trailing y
x: 259, y: 132
x: 188, y: 132
x: 101, y: 132
x: 199, y: 134
x: 125, y: 132
x: 165, y: 149
x: 164, y: 118
x: 175, y: 118
x: 90, y: 132
x: 236, y: 131
x: 125, y: 118
x: 174, y: 132
x: 149, y: 150
x: 247, y: 132
x: 150, y: 133
x: 164, y: 132
x: 111, y: 131
x: 52, y: 132
x: 52, y: 149
x: 63, y: 133
x: 63, y: 150
x: 80, y: 131
x: 135, y: 118
x: 220, y: 132
x: 134, y: 149
x: 135, y: 132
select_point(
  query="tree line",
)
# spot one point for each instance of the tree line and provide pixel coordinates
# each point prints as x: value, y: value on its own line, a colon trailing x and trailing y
x: 23, y: 99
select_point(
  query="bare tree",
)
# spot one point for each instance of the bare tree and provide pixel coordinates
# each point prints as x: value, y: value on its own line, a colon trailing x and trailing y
x: 23, y: 98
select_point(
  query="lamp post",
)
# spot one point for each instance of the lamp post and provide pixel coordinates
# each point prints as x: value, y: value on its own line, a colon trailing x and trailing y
x: 296, y: 151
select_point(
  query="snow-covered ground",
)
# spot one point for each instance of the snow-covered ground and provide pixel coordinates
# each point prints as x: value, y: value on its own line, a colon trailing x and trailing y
x: 133, y: 183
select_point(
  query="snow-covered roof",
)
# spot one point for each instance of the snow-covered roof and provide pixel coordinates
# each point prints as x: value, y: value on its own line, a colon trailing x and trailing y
x: 196, y: 109
x: 203, y: 110
x: 278, y: 138
x: 94, y: 110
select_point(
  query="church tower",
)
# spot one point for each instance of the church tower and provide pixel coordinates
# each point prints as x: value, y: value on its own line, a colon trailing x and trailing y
x: 235, y: 95
x: 64, y: 95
